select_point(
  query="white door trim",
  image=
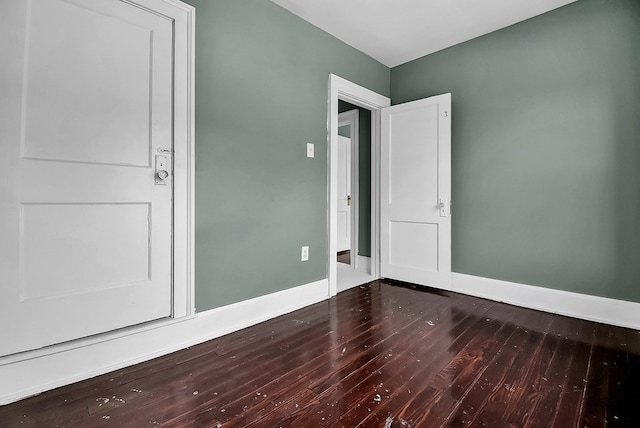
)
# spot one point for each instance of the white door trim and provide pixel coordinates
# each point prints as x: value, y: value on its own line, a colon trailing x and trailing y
x: 183, y: 305
x: 184, y: 154
x: 363, y: 97
x: 351, y: 118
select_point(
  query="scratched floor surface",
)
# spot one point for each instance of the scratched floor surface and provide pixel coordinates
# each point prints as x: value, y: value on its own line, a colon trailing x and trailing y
x: 380, y: 355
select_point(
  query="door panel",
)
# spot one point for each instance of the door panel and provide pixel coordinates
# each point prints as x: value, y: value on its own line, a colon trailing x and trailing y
x: 67, y: 71
x: 93, y: 258
x: 415, y: 179
x: 413, y: 168
x: 413, y: 245
x: 87, y: 241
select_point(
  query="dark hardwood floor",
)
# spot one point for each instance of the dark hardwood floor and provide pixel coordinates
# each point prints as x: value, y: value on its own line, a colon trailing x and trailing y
x: 344, y: 257
x: 380, y: 355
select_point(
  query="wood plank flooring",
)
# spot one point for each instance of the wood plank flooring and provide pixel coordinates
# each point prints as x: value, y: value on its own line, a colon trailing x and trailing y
x: 381, y: 355
x: 344, y: 257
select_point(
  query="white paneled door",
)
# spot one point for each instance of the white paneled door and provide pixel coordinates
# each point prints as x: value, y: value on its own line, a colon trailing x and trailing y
x: 344, y: 193
x: 415, y: 192
x: 85, y: 128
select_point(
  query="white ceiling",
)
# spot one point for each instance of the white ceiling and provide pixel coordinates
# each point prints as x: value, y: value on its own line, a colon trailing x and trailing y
x: 397, y: 31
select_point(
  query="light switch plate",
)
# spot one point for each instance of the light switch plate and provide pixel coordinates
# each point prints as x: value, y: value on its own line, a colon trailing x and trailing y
x: 310, y: 150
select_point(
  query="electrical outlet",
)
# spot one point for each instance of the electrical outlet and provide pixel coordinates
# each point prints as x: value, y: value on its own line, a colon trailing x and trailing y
x: 310, y: 150
x: 304, y: 254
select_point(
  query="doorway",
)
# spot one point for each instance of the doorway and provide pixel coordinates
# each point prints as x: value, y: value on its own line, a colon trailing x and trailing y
x: 361, y: 269
x: 417, y: 172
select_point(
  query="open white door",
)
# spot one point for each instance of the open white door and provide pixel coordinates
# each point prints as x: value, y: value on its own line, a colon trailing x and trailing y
x: 344, y: 193
x: 415, y: 222
x: 86, y: 126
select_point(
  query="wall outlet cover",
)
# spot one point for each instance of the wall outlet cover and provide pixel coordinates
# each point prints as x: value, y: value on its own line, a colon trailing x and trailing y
x: 310, y: 150
x: 304, y: 254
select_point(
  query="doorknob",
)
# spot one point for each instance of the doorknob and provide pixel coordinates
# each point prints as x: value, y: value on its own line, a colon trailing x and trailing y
x: 161, y: 170
x: 348, y: 200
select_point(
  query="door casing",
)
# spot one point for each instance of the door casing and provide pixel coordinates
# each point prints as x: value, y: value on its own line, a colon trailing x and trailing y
x: 345, y: 90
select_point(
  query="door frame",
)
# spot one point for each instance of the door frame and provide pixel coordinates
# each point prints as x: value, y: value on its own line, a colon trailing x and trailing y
x: 183, y: 162
x: 345, y: 90
x: 351, y: 118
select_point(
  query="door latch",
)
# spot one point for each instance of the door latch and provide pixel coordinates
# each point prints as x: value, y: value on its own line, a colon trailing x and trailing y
x: 442, y: 205
x: 348, y: 200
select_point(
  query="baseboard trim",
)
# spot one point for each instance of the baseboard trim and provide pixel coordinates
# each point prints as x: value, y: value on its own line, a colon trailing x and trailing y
x: 35, y: 374
x: 593, y: 308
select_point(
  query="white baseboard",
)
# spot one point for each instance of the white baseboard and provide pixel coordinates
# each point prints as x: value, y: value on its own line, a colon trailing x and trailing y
x: 38, y: 371
x: 593, y: 308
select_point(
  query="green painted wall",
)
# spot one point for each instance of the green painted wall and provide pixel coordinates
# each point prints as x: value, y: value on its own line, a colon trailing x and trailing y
x: 546, y: 147
x: 261, y: 95
x: 364, y: 160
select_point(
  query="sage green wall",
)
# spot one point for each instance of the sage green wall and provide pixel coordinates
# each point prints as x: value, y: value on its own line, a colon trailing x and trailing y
x: 546, y: 148
x: 364, y: 188
x: 261, y: 95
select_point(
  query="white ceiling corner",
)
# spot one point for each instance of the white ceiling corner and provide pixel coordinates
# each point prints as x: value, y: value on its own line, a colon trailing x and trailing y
x: 397, y: 31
